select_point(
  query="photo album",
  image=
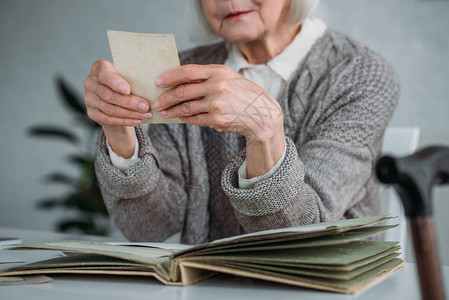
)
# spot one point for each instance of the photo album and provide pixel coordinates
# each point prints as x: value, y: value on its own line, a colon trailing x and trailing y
x: 333, y: 256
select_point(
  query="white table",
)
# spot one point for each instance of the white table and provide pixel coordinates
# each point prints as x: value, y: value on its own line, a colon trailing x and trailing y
x: 403, y: 284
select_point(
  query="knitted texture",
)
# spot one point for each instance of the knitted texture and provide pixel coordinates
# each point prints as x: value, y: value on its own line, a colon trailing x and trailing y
x: 336, y: 107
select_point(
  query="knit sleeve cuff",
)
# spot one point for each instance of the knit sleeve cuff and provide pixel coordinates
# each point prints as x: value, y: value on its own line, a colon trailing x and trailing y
x: 245, y: 183
x: 135, y: 181
x: 267, y: 196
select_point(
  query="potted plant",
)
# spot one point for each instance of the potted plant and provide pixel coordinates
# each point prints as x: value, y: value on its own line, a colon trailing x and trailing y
x: 84, y: 197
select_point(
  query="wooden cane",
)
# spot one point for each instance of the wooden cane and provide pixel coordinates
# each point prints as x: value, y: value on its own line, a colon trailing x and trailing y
x: 427, y: 259
x: 413, y: 178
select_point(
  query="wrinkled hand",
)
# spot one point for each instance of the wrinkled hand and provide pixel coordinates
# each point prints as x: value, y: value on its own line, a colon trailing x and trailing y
x: 218, y: 97
x: 108, y: 99
x: 110, y: 103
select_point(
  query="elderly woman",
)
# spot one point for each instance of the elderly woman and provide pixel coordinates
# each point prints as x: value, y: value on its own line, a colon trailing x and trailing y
x: 284, y: 121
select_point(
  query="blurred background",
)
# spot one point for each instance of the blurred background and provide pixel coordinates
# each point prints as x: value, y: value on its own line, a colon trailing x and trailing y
x: 41, y: 41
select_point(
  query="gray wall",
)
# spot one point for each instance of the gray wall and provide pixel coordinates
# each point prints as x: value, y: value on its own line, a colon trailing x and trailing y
x: 39, y: 39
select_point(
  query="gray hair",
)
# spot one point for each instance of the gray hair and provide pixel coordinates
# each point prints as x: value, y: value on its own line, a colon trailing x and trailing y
x: 201, y: 31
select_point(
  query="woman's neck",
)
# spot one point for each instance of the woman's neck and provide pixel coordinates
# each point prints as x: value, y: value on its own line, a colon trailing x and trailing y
x: 262, y: 50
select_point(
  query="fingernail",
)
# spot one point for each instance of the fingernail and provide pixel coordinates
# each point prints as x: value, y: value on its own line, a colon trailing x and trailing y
x: 158, y: 81
x: 124, y: 89
x: 146, y: 116
x: 143, y: 106
x: 137, y: 122
x: 157, y: 104
x: 164, y: 113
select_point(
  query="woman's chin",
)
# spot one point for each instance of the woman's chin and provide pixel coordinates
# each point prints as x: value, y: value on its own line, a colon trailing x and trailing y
x: 240, y: 37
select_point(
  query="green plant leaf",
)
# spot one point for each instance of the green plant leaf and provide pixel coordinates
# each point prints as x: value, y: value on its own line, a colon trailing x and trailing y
x: 82, y: 202
x: 61, y: 178
x: 70, y: 97
x: 88, y: 122
x: 95, y: 200
x: 77, y: 159
x: 83, y: 226
x: 49, y: 203
x: 51, y: 131
x: 94, y: 125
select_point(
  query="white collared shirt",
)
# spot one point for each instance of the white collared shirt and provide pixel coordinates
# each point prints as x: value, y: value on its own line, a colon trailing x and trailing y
x: 271, y: 76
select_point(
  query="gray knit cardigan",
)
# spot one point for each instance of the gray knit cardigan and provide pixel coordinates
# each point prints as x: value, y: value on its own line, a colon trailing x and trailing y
x: 336, y: 106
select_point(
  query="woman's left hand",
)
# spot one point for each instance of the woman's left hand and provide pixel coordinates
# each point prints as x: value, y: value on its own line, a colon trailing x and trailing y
x: 217, y: 97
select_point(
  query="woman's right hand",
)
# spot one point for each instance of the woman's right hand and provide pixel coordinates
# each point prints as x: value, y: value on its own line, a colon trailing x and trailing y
x: 109, y: 102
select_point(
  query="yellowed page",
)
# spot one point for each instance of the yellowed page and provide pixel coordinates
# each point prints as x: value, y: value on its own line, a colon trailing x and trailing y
x: 140, y: 59
x: 354, y: 286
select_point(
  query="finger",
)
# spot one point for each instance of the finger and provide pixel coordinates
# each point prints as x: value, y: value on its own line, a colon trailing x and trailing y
x: 131, y: 102
x: 103, y: 119
x: 105, y: 72
x: 94, y: 102
x: 197, y: 120
x: 184, y: 74
x: 187, y: 108
x: 180, y: 94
